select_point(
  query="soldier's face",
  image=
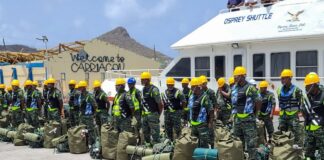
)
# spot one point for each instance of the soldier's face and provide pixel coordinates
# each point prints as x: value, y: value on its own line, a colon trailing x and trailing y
x: 15, y: 88
x: 196, y: 89
x: 310, y: 89
x: 170, y: 86
x: 145, y: 82
x: 50, y: 85
x: 131, y: 85
x: 71, y: 86
x: 185, y: 85
x: 263, y: 89
x: 239, y: 78
x: 119, y: 88
x: 285, y: 80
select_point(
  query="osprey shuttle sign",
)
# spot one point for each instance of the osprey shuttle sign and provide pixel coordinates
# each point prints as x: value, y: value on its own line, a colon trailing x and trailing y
x: 253, y: 17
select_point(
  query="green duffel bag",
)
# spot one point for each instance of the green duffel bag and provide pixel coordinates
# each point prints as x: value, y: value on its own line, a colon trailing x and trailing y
x: 280, y: 138
x: 184, y: 147
x: 65, y: 125
x: 125, y: 139
x: 221, y: 132
x: 61, y: 144
x: 163, y: 156
x: 109, y: 140
x: 4, y: 123
x: 286, y: 152
x: 77, y: 137
x: 230, y: 149
x: 51, y: 130
x: 19, y: 136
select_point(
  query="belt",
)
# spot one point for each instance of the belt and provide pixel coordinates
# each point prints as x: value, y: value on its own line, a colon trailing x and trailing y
x: 194, y: 123
x: 263, y: 114
x: 14, y: 108
x: 186, y: 109
x: 146, y: 113
x: 29, y: 109
x: 312, y: 127
x: 244, y: 115
x: 289, y: 113
x: 52, y: 109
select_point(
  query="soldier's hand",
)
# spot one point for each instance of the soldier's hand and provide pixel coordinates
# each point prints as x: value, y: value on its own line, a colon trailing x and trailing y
x: 134, y: 121
x: 62, y: 116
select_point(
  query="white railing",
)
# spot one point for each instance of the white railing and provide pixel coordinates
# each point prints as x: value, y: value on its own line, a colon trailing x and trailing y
x: 258, y: 5
x: 111, y: 74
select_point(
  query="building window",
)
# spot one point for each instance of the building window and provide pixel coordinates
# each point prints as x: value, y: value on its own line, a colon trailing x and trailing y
x: 202, y: 66
x: 306, y: 61
x: 219, y: 67
x: 181, y: 69
x: 237, y: 60
x: 279, y: 61
x: 259, y: 66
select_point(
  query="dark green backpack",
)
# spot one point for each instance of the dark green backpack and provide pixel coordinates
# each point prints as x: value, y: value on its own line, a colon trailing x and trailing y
x: 61, y: 144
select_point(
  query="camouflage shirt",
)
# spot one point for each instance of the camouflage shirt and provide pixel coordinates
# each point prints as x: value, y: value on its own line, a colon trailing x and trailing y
x: 212, y: 96
x: 18, y: 97
x: 88, y: 104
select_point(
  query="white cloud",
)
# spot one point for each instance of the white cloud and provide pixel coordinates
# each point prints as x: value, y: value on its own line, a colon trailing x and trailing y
x: 123, y: 10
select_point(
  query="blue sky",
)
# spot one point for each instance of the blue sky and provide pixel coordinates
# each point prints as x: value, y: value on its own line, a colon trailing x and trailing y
x: 150, y: 22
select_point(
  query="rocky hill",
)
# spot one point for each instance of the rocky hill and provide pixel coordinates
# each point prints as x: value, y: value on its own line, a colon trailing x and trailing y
x: 17, y: 48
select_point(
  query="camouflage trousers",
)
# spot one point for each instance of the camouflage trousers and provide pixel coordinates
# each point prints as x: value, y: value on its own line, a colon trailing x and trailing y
x: 202, y: 133
x: 291, y: 123
x: 17, y: 118
x: 246, y: 130
x: 224, y: 115
x: 123, y: 124
x: 53, y: 116
x: 101, y: 118
x: 89, y: 122
x: 32, y: 118
x: 151, y: 127
x: 172, y: 123
x: 185, y: 117
x: 74, y: 117
x: 268, y: 123
x: 137, y: 115
x: 314, y: 140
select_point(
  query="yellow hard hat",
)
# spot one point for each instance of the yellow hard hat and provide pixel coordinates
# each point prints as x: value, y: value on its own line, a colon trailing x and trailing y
x: 96, y: 84
x: 203, y: 79
x: 231, y: 80
x: 170, y: 81
x: 72, y: 82
x: 2, y: 86
x: 286, y: 73
x: 76, y: 86
x: 83, y: 84
x: 185, y: 81
x: 239, y: 70
x: 15, y: 82
x: 221, y: 82
x: 120, y: 81
x: 9, y: 88
x: 195, y: 82
x: 45, y: 82
x: 263, y: 84
x: 311, y: 78
x: 146, y: 75
x: 28, y: 83
x: 51, y: 81
x: 35, y: 83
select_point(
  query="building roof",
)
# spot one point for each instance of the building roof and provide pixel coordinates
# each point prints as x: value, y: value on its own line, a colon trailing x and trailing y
x: 285, y: 19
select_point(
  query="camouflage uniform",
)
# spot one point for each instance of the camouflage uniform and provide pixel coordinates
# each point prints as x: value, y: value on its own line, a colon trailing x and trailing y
x: 243, y: 101
x: 3, y: 101
x: 136, y: 98
x: 185, y: 115
x: 199, y: 107
x: 268, y: 102
x: 53, y: 107
x: 32, y: 107
x: 173, y: 100
x: 224, y: 105
x: 45, y: 103
x: 290, y: 100
x: 88, y: 107
x: 122, y: 111
x: 74, y: 107
x: 212, y: 97
x: 17, y: 116
x: 314, y: 139
x: 151, y: 116
x: 103, y: 106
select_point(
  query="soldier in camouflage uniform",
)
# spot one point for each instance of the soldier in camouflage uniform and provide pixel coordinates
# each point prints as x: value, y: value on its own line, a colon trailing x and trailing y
x: 223, y: 102
x: 201, y: 113
x: 212, y: 98
x: 152, y: 108
x: 103, y: 104
x: 314, y: 117
x: 137, y: 101
x: 3, y: 98
x: 123, y: 108
x: 290, y: 101
x: 186, y: 91
x: 174, y: 102
x: 44, y: 100
x: 267, y: 108
x: 8, y: 100
x: 245, y: 100
x: 18, y: 103
x: 33, y: 104
x: 88, y: 107
x: 55, y: 102
x: 74, y: 104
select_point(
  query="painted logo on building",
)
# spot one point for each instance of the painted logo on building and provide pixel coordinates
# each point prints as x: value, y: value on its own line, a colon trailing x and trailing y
x: 87, y: 63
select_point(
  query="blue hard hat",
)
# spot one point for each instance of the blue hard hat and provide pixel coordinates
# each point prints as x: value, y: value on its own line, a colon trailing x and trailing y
x: 131, y: 80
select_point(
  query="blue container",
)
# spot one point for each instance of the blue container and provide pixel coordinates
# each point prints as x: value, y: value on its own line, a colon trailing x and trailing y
x: 205, y: 154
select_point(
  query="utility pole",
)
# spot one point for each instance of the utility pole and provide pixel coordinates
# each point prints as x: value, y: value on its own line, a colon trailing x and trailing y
x: 45, y: 40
